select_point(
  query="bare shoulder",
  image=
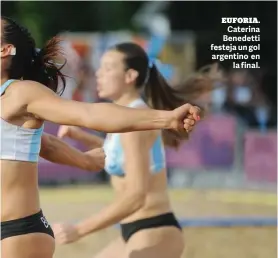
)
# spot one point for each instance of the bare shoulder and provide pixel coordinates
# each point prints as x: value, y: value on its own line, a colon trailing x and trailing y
x: 31, y: 86
x: 16, y: 94
x: 18, y: 84
x: 26, y: 91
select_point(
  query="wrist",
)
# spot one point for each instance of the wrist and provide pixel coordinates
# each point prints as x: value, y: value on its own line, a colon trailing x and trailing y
x: 167, y: 119
x: 79, y: 231
x: 91, y: 162
x: 88, y: 162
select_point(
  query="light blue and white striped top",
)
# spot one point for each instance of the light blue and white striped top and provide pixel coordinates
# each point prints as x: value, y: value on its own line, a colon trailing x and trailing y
x: 16, y: 142
x: 115, y: 159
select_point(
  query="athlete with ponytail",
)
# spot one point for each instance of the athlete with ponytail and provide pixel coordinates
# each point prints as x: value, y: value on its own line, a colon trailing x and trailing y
x: 136, y: 160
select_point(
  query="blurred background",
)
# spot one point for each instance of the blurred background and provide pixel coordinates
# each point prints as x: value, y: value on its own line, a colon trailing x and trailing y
x: 223, y: 180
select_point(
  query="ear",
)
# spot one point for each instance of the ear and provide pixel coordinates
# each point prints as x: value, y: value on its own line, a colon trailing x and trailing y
x: 131, y: 76
x: 8, y: 50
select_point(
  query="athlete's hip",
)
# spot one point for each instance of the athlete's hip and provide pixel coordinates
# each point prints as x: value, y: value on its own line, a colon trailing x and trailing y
x: 150, y: 209
x: 34, y: 223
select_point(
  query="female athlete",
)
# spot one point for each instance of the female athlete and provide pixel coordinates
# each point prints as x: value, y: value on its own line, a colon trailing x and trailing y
x: 135, y: 160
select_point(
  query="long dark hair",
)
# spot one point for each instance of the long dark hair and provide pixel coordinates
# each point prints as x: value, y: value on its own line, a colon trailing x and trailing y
x: 158, y: 93
x: 30, y: 63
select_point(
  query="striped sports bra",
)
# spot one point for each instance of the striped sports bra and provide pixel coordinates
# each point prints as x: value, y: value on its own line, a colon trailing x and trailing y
x: 115, y: 159
x: 16, y: 142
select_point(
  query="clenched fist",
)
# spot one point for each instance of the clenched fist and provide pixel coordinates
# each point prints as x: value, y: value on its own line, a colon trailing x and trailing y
x: 185, y: 117
x: 96, y: 159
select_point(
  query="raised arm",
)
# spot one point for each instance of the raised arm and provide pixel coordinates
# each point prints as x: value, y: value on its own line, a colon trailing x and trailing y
x: 46, y: 105
x: 55, y: 150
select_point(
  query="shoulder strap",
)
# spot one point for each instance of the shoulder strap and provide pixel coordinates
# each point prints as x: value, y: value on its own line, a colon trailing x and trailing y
x: 136, y: 103
x: 5, y: 86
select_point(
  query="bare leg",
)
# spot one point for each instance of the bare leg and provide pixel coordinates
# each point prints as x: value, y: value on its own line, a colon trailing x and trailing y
x: 161, y: 242
x: 32, y: 245
x: 115, y: 249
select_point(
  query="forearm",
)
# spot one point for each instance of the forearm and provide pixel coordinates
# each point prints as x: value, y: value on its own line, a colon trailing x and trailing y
x: 114, y: 213
x: 113, y: 118
x: 89, y: 140
x: 55, y: 150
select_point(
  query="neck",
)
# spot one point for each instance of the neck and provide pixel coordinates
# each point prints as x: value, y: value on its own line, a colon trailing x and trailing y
x: 4, y: 76
x: 127, y: 98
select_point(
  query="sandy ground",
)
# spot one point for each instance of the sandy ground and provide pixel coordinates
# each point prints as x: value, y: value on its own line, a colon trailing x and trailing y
x: 72, y: 204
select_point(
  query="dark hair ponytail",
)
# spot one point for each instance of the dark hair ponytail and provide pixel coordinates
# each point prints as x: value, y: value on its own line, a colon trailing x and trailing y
x: 157, y: 92
x: 159, y: 95
x: 29, y: 63
x: 44, y: 68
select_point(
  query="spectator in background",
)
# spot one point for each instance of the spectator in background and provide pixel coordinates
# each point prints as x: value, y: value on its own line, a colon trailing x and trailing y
x: 240, y: 94
x: 219, y: 95
x: 246, y: 99
x: 264, y: 110
x: 240, y: 89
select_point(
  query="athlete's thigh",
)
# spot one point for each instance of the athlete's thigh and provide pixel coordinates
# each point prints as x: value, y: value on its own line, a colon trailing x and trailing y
x: 32, y: 245
x: 163, y: 242
x: 114, y: 249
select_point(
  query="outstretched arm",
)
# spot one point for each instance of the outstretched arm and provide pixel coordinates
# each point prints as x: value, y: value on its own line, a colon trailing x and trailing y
x: 55, y: 150
x: 45, y: 104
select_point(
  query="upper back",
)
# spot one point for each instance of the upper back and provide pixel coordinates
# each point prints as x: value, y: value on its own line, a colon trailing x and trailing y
x: 18, y: 143
x: 115, y: 158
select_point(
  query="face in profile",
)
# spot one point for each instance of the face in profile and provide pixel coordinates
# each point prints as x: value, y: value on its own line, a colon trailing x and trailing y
x: 113, y: 78
x: 111, y: 75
